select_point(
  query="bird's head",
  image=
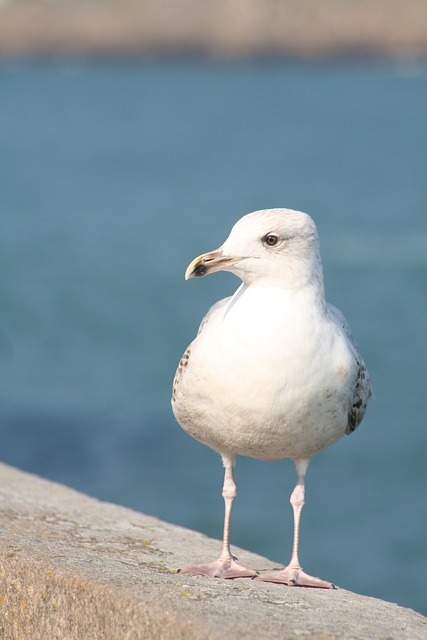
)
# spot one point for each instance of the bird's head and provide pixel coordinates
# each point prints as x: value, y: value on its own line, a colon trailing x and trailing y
x: 278, y: 245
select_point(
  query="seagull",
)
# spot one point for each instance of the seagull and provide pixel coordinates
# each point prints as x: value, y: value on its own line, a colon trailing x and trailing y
x: 273, y: 372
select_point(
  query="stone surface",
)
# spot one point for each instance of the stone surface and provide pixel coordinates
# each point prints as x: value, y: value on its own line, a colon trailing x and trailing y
x: 75, y: 568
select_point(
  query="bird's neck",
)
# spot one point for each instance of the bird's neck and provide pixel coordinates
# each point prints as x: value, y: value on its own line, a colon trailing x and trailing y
x: 274, y: 298
x: 299, y: 281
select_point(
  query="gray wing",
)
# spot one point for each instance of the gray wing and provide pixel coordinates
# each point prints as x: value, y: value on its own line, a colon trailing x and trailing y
x: 362, y: 390
x: 186, y: 356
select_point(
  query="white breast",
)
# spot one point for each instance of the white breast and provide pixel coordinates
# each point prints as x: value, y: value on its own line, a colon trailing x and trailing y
x: 269, y: 376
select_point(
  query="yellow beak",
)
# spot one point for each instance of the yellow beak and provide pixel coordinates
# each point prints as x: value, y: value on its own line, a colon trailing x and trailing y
x: 209, y: 263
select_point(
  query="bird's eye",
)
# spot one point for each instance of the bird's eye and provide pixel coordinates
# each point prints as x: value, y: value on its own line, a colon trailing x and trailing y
x: 271, y: 239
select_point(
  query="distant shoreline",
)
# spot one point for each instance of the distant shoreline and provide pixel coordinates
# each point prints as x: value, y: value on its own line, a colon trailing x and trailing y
x: 222, y: 29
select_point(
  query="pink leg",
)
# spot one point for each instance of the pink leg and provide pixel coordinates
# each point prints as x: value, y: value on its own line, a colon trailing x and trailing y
x: 226, y: 565
x: 293, y: 575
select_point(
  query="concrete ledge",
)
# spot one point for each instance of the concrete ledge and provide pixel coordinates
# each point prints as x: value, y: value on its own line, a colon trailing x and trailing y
x: 74, y: 568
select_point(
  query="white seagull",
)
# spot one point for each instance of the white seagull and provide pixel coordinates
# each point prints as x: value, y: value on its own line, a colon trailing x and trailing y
x: 273, y: 372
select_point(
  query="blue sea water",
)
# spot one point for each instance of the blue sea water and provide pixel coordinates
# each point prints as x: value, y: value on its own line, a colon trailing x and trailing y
x: 113, y: 176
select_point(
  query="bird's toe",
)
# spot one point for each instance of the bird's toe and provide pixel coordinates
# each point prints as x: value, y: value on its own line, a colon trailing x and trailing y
x: 295, y: 577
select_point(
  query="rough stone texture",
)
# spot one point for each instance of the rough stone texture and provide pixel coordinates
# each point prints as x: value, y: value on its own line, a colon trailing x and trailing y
x: 74, y: 568
x: 215, y: 27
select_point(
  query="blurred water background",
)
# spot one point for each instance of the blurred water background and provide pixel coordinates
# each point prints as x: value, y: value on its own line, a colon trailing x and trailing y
x: 114, y: 175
